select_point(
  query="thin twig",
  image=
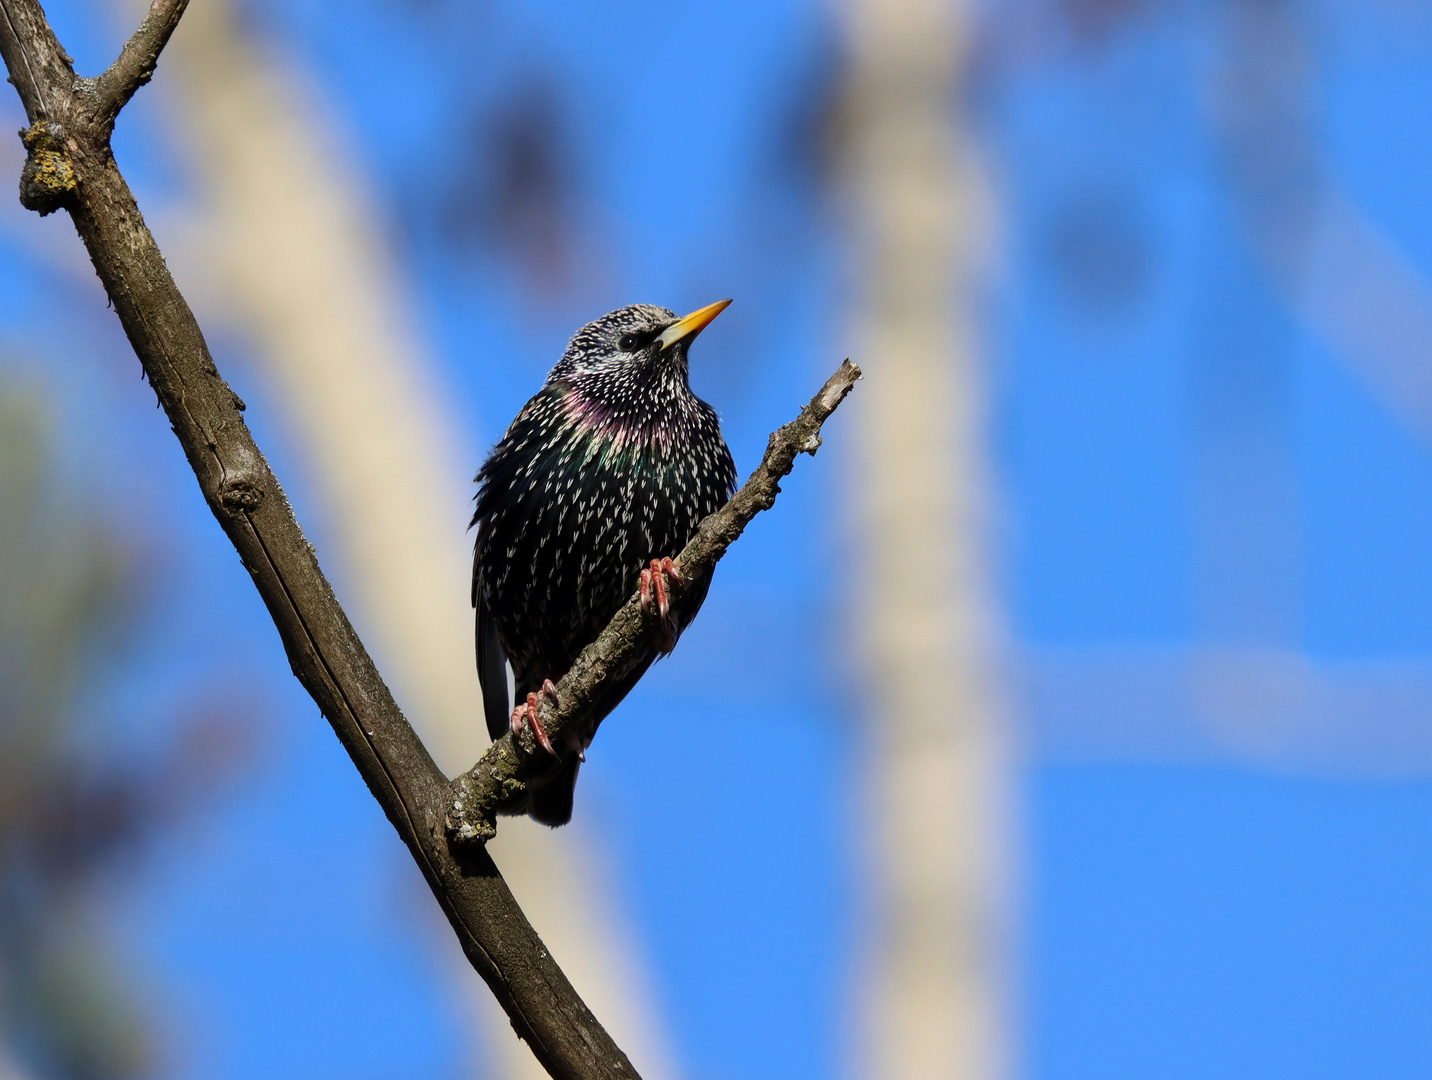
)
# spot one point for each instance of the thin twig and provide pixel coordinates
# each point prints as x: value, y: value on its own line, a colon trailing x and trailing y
x: 136, y: 61
x: 628, y: 640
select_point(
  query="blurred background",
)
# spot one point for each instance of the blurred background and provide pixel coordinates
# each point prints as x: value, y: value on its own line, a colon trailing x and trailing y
x: 1070, y: 717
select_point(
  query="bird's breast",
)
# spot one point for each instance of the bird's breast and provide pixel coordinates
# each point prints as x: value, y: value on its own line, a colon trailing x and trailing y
x: 568, y: 521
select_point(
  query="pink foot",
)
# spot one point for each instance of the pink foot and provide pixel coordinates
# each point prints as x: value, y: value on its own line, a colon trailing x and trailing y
x: 656, y: 602
x: 526, y: 712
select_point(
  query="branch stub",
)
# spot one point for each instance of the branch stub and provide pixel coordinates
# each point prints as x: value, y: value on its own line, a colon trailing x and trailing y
x: 240, y: 495
x: 48, y: 179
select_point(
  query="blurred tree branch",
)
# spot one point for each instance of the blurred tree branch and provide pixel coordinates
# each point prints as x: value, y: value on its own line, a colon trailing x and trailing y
x: 70, y: 165
x: 77, y: 811
x: 68, y: 816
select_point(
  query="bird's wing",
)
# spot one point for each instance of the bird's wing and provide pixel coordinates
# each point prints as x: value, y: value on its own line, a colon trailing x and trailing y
x: 491, y: 667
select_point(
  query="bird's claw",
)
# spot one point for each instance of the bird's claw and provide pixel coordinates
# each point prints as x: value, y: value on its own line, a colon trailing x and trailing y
x: 526, y: 713
x: 656, y: 602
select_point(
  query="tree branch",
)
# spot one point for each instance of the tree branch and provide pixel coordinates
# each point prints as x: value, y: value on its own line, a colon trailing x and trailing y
x: 136, y: 62
x: 248, y: 502
x: 69, y: 164
x: 627, y: 641
x: 41, y: 71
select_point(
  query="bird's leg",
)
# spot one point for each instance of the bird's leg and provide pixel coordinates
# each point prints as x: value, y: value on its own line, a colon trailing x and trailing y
x: 526, y: 712
x: 654, y: 600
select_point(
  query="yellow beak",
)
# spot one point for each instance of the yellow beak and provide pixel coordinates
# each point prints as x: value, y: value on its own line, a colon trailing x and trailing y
x: 689, y: 326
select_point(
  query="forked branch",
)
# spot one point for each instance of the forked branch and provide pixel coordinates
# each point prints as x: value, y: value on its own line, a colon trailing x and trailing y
x: 69, y: 165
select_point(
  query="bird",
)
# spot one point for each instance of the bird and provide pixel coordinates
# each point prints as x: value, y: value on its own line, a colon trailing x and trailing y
x: 592, y: 492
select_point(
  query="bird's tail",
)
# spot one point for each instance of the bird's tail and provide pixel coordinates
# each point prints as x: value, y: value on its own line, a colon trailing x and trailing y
x: 550, y: 800
x: 491, y: 671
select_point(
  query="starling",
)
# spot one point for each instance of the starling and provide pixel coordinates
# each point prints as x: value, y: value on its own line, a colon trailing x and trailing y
x: 599, y: 482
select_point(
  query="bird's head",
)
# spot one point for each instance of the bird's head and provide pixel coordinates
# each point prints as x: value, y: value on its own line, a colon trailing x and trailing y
x: 640, y: 344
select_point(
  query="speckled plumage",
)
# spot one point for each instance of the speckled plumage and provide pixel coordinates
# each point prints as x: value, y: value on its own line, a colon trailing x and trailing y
x: 612, y: 464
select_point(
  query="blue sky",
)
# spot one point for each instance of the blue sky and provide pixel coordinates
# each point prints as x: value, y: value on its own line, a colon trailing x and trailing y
x: 1184, y: 468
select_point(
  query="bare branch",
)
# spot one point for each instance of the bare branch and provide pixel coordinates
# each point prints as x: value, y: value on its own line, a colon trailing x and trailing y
x: 628, y: 639
x: 250, y: 505
x: 69, y: 165
x: 136, y: 61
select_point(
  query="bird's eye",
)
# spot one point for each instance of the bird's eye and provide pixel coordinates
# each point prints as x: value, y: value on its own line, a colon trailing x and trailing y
x: 628, y: 342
